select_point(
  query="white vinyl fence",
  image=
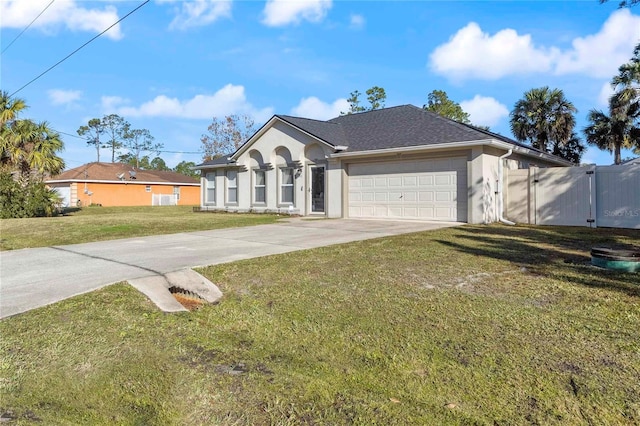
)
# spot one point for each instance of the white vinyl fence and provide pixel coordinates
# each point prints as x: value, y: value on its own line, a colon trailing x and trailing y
x: 164, y: 200
x: 603, y: 196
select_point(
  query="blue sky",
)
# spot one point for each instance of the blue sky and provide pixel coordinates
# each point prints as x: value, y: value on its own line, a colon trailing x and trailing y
x: 173, y: 65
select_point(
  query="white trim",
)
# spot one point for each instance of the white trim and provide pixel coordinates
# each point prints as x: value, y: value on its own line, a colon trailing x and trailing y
x: 267, y: 126
x: 309, y: 206
x: 453, y: 145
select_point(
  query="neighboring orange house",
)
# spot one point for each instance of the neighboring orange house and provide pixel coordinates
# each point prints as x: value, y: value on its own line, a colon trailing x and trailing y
x: 120, y: 184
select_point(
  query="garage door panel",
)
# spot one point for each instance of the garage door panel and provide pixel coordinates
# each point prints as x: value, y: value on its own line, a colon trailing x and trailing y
x: 409, y: 196
x: 443, y: 196
x: 426, y: 196
x: 425, y: 180
x: 429, y: 190
x: 395, y: 181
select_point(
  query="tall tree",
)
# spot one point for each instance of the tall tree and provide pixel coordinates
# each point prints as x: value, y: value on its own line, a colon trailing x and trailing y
x: 137, y: 141
x: 438, y: 101
x: 92, y: 132
x: 626, y: 96
x: 624, y: 3
x: 28, y: 151
x: 571, y: 150
x: 33, y: 149
x: 607, y: 132
x: 115, y: 128
x: 10, y: 108
x: 544, y: 118
x: 620, y: 128
x: 376, y: 97
x: 226, y: 135
x: 158, y: 164
x: 354, y: 103
x: 186, y: 168
x: 27, y: 147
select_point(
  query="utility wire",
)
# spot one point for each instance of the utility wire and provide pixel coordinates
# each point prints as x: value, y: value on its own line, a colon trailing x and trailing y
x: 72, y: 53
x: 87, y: 139
x: 27, y: 27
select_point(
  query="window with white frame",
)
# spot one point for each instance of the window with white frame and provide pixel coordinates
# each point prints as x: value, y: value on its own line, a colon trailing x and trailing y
x: 176, y: 192
x: 210, y: 194
x: 232, y: 186
x: 259, y: 187
x: 286, y: 185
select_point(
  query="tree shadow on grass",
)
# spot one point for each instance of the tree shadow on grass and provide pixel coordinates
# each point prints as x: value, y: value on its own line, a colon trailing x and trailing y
x: 556, y: 252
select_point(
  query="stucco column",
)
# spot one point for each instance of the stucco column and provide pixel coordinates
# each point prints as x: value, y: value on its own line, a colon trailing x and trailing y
x: 482, y: 175
x: 334, y: 189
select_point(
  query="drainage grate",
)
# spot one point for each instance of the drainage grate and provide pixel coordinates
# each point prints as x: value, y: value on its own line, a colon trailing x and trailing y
x: 186, y: 298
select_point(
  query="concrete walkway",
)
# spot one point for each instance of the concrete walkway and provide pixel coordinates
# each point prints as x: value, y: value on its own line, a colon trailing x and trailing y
x: 31, y: 278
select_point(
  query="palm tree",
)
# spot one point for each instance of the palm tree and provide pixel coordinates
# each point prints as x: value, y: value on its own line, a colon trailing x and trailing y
x: 9, y: 110
x: 614, y: 131
x: 27, y: 146
x: 33, y: 148
x: 621, y: 127
x: 543, y: 117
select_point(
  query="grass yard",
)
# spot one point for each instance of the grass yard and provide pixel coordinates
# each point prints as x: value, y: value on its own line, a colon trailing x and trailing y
x: 469, y: 325
x: 110, y: 223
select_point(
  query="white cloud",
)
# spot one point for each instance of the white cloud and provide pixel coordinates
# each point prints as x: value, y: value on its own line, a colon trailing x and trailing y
x: 198, y: 13
x: 605, y: 93
x: 356, y: 22
x: 19, y: 13
x: 472, y: 53
x: 228, y: 100
x: 63, y: 97
x: 313, y: 107
x: 484, y: 111
x: 278, y: 13
x: 111, y: 103
x: 600, y: 54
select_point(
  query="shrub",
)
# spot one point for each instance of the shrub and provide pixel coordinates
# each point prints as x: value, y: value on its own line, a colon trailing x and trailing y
x: 32, y: 199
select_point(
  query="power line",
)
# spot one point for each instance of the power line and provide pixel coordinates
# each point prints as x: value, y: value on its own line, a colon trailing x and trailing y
x: 168, y: 152
x: 183, y: 152
x: 27, y: 27
x: 69, y: 134
x: 74, y: 52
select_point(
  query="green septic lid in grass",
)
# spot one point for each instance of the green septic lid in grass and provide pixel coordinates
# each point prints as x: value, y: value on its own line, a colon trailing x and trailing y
x: 626, y: 260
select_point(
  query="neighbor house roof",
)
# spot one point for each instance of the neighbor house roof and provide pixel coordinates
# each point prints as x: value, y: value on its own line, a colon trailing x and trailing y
x: 118, y: 172
x: 402, y: 126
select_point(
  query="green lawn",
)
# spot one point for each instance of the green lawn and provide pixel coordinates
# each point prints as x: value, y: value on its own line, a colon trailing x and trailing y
x: 109, y: 223
x: 469, y: 325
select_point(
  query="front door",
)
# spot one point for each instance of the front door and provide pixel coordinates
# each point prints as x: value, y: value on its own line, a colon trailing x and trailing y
x: 316, y: 189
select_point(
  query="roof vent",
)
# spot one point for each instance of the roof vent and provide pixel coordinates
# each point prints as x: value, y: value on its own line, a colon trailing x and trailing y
x: 120, y: 176
x: 132, y: 174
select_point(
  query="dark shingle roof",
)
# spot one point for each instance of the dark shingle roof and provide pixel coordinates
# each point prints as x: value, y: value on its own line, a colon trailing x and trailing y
x: 328, y: 131
x: 218, y: 161
x: 395, y: 127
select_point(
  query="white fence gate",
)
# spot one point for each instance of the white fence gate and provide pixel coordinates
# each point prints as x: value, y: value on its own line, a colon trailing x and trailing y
x: 164, y: 200
x: 605, y: 196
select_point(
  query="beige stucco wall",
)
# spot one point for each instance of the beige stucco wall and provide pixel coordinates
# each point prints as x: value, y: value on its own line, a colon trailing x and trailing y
x: 305, y: 151
x: 279, y: 146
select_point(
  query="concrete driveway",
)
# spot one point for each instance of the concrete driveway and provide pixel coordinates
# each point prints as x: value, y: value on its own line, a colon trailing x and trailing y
x: 31, y: 278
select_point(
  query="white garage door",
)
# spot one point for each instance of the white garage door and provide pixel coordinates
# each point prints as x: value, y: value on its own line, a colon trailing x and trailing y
x: 65, y: 194
x: 425, y: 189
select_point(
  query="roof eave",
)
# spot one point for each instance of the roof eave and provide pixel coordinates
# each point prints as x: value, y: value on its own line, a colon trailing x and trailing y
x: 417, y: 148
x: 266, y: 127
x: 456, y: 145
